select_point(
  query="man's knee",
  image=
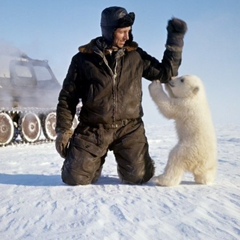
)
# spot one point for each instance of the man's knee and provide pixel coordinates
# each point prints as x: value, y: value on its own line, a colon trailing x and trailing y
x: 137, y: 175
x: 82, y: 173
x: 74, y: 178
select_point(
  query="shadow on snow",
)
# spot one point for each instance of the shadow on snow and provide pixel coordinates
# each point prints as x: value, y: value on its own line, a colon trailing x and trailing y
x: 48, y: 180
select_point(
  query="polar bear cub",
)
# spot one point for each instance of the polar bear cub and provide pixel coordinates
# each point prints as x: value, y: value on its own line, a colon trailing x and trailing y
x: 196, y: 150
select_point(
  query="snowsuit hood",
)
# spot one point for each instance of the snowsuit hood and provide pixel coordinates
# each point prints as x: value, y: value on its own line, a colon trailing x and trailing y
x: 102, y: 45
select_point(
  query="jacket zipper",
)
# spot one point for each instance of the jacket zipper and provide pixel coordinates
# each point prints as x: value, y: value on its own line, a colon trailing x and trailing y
x: 114, y: 76
x: 114, y: 93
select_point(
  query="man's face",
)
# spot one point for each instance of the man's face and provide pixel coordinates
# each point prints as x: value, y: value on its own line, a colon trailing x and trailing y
x: 121, y: 35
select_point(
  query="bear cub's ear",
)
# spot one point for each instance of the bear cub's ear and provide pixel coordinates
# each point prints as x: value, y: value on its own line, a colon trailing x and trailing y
x: 195, y: 90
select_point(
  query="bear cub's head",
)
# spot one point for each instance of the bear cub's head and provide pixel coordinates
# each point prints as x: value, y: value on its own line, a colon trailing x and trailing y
x: 186, y: 86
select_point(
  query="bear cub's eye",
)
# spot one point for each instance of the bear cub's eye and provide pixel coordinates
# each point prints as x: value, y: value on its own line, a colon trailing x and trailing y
x: 182, y: 80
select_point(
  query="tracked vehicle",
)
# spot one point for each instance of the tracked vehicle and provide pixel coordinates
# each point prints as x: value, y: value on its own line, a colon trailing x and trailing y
x: 28, y: 98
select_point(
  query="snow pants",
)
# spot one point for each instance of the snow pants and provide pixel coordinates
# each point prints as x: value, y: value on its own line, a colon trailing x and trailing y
x: 88, y: 150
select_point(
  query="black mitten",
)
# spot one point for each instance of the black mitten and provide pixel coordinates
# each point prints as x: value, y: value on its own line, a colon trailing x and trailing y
x: 176, y: 30
x: 62, y: 142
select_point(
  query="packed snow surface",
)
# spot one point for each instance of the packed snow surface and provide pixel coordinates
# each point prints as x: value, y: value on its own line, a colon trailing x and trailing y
x: 35, y: 204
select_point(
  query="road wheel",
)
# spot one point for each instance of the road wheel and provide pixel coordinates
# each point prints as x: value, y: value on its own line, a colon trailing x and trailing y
x: 6, y: 129
x: 30, y: 127
x: 49, y: 124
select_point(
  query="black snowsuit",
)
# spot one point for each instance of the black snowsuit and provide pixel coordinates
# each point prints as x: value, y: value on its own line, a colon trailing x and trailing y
x: 109, y: 85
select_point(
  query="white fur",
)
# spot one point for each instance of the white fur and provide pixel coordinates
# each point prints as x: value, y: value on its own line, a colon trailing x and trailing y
x: 196, y: 150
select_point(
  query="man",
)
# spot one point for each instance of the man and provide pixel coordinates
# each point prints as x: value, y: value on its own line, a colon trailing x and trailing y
x: 106, y: 75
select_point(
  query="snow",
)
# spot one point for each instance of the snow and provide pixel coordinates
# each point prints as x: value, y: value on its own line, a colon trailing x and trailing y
x: 35, y: 204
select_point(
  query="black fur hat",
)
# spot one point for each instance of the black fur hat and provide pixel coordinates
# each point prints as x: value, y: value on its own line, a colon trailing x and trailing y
x: 113, y: 18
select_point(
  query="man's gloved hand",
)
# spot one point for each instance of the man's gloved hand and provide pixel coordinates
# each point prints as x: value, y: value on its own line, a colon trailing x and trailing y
x: 62, y: 141
x: 176, y: 30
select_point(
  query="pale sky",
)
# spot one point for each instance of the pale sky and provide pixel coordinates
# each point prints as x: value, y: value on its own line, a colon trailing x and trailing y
x: 54, y: 30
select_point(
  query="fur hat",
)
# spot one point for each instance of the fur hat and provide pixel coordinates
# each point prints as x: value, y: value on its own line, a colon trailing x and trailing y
x: 113, y: 18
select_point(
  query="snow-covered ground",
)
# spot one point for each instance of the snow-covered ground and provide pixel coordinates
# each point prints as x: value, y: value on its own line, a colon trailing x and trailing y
x: 35, y: 204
